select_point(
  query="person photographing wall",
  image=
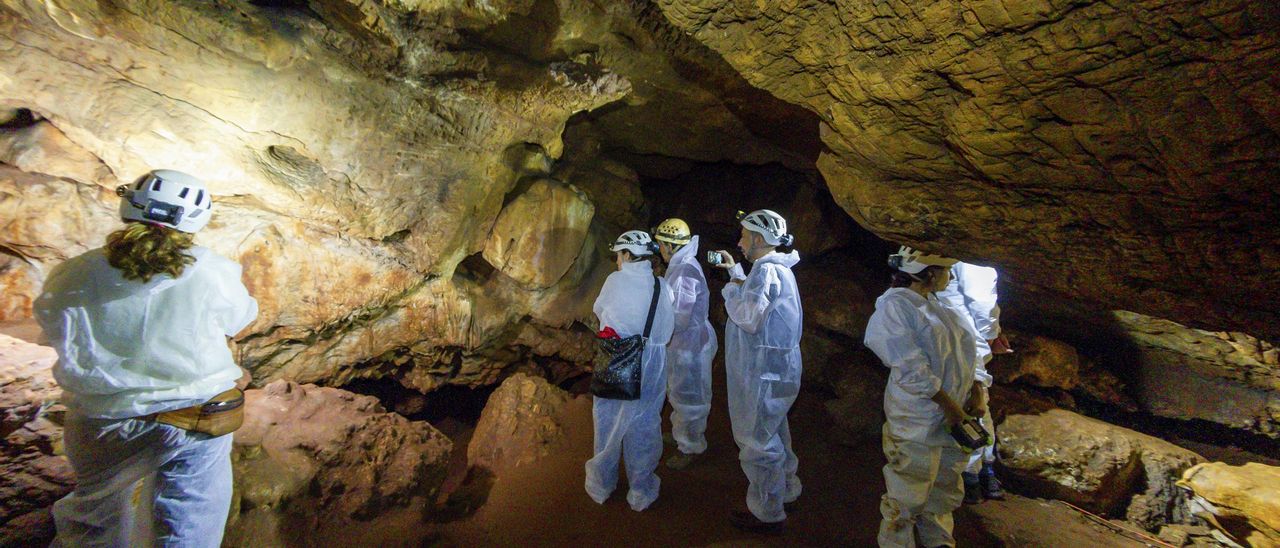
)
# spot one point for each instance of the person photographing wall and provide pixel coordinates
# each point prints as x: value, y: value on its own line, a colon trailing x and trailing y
x: 152, y: 391
x: 763, y: 367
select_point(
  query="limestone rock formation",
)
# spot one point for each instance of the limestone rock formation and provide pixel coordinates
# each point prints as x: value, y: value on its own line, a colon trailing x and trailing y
x: 1049, y: 363
x: 33, y: 472
x: 322, y: 458
x: 538, y: 236
x: 1098, y: 466
x: 1120, y: 154
x: 1228, y: 378
x: 1039, y: 361
x: 371, y: 160
x: 1243, y: 500
x: 520, y: 422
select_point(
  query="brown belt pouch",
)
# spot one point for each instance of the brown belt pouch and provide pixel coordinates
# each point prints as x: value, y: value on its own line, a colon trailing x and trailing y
x: 221, y: 415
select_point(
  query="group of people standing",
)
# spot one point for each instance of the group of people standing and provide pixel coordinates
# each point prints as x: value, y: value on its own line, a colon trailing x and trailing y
x: 152, y: 392
x: 762, y: 356
x: 935, y: 328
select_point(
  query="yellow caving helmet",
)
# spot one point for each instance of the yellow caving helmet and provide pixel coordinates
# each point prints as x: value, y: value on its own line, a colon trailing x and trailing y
x: 673, y: 231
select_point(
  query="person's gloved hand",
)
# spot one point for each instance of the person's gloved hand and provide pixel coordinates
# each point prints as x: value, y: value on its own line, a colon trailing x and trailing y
x: 1000, y: 345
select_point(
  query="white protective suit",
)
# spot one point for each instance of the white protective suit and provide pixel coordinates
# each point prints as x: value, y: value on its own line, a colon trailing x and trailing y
x: 632, y: 430
x: 973, y: 291
x: 128, y: 349
x: 763, y: 366
x: 692, y: 349
x: 928, y: 347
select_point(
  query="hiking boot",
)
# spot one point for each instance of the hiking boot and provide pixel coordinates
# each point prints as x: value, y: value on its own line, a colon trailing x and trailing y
x: 972, y: 488
x: 681, y: 460
x: 990, y: 485
x: 746, y: 521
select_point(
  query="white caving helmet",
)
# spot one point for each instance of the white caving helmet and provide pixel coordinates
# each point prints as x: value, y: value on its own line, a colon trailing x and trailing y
x: 168, y: 198
x: 768, y: 224
x: 637, y: 242
x: 913, y: 261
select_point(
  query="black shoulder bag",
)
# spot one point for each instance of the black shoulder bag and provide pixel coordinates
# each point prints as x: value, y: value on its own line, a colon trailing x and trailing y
x: 619, y: 361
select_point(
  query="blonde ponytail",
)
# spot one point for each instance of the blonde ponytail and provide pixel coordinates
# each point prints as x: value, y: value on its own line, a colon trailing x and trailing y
x: 140, y: 251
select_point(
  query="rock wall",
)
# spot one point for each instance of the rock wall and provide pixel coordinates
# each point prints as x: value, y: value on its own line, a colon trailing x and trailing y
x: 1179, y: 372
x: 1121, y: 154
x: 384, y: 171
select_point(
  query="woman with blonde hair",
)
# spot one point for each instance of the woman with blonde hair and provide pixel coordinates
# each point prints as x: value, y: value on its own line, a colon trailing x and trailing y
x: 141, y: 327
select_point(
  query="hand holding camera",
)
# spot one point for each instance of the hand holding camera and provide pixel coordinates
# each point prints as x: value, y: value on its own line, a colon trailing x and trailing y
x: 720, y: 259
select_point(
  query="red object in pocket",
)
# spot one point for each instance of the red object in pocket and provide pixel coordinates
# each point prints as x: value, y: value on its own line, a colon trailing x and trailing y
x: 608, y: 333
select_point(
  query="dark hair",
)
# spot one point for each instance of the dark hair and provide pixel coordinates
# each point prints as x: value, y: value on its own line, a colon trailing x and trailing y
x: 926, y: 276
x: 655, y: 260
x: 142, y: 250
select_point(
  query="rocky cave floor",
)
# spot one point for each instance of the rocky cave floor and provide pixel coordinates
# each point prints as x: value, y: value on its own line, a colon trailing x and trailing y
x: 340, y: 470
x: 839, y: 507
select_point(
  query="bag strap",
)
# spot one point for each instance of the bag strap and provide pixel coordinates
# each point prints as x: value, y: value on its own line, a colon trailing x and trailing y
x: 653, y: 307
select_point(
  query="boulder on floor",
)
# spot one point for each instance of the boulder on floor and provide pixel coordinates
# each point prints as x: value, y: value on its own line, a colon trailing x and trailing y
x: 1101, y: 467
x: 1243, y: 501
x: 317, y: 458
x: 518, y: 425
x: 33, y: 472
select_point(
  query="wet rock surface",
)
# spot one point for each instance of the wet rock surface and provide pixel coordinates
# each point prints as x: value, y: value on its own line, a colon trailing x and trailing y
x: 353, y: 240
x: 1243, y: 500
x: 1104, y: 468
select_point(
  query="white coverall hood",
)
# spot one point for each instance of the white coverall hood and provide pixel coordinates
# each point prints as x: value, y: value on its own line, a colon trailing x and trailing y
x: 633, y: 427
x: 763, y: 368
x: 692, y: 349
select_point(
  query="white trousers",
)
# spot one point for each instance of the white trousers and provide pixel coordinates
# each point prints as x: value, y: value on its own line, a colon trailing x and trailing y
x: 923, y: 487
x: 689, y: 392
x: 630, y: 431
x: 141, y: 483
